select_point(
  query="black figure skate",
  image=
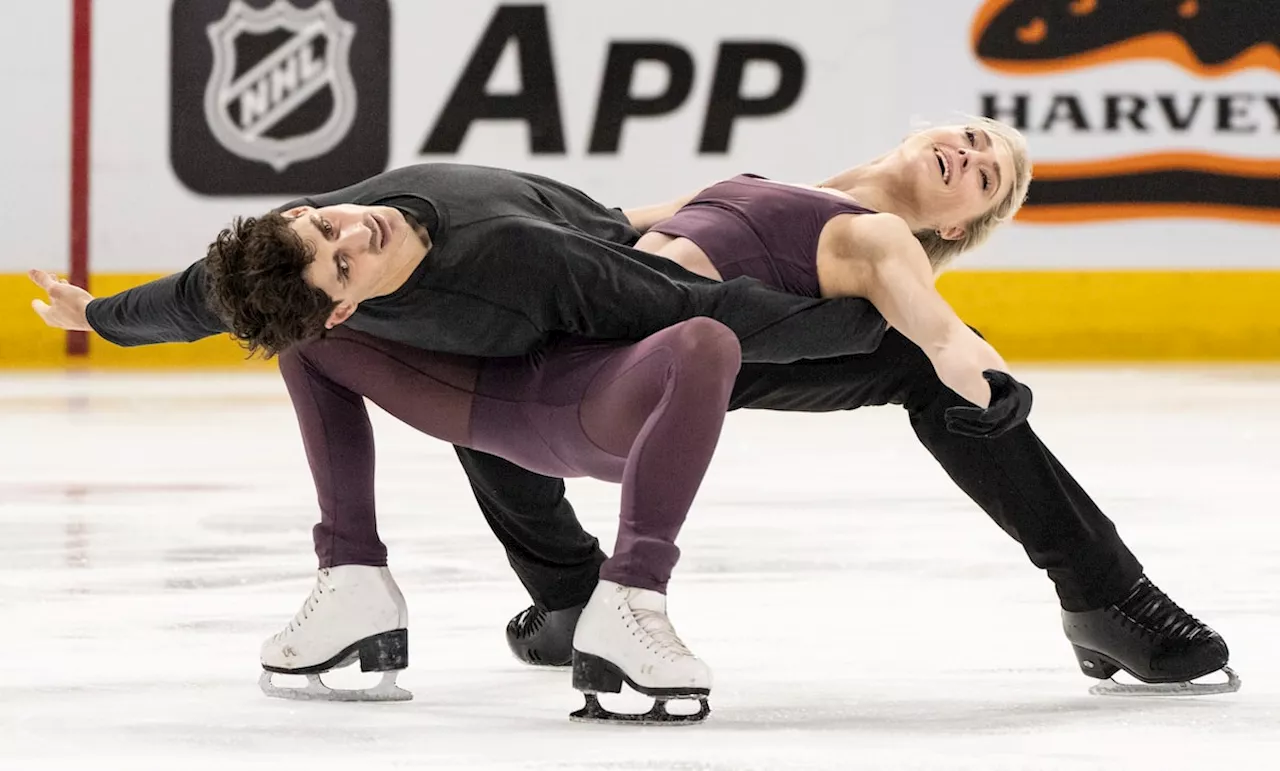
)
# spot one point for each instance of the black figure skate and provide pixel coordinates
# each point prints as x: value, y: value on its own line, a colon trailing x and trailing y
x: 1147, y: 635
x: 544, y: 638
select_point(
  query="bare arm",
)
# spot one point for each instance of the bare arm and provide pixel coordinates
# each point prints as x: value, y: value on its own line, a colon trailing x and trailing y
x: 897, y: 279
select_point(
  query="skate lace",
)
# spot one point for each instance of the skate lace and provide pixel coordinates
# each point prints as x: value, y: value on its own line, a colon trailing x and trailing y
x: 309, y: 606
x: 529, y: 621
x: 1152, y: 612
x: 661, y: 634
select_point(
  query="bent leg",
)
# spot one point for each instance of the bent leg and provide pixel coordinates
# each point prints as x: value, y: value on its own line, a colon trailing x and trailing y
x: 326, y: 380
x: 660, y: 404
x: 557, y: 561
x: 650, y: 416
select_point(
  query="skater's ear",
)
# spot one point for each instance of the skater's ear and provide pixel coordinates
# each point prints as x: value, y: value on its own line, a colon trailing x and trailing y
x: 341, y: 313
x: 295, y: 212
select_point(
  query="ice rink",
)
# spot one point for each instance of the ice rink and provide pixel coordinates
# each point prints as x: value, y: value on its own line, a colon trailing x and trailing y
x: 857, y: 609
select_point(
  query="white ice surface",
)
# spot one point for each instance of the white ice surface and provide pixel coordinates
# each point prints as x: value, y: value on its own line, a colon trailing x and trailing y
x: 858, y: 611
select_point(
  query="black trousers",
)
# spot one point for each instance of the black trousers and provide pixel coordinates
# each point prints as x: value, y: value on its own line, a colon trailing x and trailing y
x: 1014, y: 478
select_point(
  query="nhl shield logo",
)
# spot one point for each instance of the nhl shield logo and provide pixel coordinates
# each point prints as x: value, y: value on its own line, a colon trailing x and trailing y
x: 280, y: 90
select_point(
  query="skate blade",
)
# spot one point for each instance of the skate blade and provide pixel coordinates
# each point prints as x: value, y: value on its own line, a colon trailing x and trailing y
x: 315, y: 690
x: 594, y: 712
x: 1112, y: 688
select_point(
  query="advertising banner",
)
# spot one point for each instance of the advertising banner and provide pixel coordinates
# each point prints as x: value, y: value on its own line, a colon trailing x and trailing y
x: 1154, y: 127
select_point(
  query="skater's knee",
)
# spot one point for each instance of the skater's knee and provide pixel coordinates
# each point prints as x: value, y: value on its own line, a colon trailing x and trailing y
x: 705, y: 345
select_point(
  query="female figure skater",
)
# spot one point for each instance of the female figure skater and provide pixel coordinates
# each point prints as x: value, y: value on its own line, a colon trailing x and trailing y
x: 882, y: 230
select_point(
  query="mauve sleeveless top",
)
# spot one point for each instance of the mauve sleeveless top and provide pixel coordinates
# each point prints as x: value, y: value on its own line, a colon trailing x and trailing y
x: 749, y: 226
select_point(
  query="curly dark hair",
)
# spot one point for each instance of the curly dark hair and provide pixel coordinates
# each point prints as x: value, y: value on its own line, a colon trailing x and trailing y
x: 256, y: 286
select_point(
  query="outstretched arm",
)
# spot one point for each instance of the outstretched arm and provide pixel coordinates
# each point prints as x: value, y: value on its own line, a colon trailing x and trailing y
x: 168, y: 310
x: 898, y: 280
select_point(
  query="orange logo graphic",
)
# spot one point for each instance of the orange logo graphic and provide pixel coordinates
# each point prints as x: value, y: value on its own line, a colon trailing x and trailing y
x: 1206, y: 38
x: 1213, y: 37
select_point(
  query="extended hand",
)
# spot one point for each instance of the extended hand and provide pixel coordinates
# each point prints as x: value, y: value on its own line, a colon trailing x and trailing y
x: 1010, y: 404
x: 67, y: 303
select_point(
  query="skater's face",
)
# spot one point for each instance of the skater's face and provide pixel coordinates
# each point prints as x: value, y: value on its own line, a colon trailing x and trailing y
x: 360, y: 252
x: 954, y: 175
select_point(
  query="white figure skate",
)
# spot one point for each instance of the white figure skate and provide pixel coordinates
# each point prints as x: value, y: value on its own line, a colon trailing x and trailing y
x: 624, y: 635
x: 355, y: 611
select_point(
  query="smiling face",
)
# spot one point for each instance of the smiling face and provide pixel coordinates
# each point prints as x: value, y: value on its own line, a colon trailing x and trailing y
x: 360, y: 251
x: 956, y: 174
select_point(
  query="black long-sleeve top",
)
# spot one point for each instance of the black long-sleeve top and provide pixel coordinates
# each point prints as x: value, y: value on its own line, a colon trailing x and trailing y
x: 517, y: 259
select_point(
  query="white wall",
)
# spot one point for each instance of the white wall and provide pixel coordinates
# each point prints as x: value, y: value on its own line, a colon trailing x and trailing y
x: 35, y: 142
x: 873, y: 67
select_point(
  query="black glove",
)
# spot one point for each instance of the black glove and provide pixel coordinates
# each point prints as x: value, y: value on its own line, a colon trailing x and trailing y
x: 1009, y: 407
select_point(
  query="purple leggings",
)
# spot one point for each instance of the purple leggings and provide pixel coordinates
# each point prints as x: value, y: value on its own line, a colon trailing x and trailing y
x: 647, y: 415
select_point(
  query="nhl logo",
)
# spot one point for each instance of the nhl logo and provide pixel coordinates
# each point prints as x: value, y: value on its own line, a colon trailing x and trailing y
x: 281, y: 89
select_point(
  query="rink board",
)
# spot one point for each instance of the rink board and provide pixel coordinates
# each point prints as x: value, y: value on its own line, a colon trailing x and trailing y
x: 1028, y: 316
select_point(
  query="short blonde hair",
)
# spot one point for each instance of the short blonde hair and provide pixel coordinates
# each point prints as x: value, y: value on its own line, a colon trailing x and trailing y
x: 941, y: 251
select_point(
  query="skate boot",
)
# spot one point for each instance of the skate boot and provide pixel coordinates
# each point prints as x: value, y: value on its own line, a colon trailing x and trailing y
x: 354, y: 612
x: 543, y: 637
x: 1147, y: 635
x: 624, y: 635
